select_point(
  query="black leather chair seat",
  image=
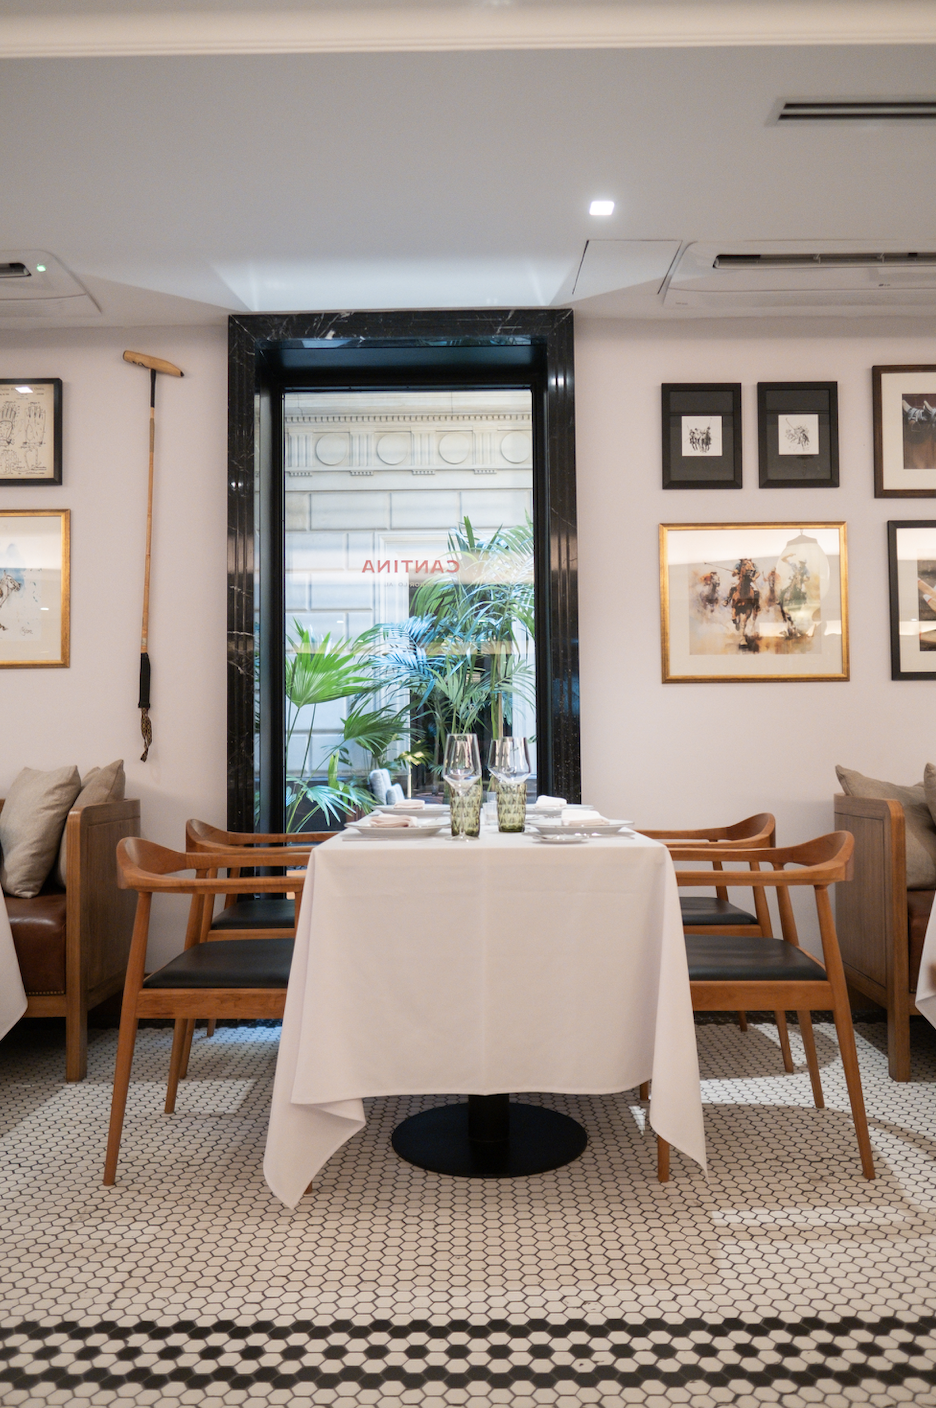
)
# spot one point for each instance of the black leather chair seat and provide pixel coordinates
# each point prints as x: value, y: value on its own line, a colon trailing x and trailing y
x: 703, y: 909
x: 278, y: 913
x: 720, y: 958
x: 228, y: 963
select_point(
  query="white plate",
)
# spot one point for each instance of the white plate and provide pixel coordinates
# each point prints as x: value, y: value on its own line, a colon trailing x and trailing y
x: 604, y: 828
x: 562, y: 838
x: 397, y: 833
x: 430, y: 809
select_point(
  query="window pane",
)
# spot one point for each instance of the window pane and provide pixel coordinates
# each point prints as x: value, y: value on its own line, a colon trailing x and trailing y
x: 408, y: 584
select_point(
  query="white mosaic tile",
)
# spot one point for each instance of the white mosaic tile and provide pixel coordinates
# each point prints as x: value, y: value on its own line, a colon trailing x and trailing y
x: 785, y: 1278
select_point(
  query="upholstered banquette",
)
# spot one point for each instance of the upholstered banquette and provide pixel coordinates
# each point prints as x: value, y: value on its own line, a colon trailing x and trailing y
x: 882, y: 915
x: 72, y: 938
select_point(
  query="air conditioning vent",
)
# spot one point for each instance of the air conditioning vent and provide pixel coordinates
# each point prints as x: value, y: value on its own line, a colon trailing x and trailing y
x: 824, y: 261
x: 802, y: 276
x: 36, y: 287
x: 874, y: 110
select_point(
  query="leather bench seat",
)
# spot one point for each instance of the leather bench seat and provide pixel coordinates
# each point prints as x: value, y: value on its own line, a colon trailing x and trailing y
x: 706, y: 909
x: 278, y: 913
x: 724, y: 958
x: 228, y: 963
x: 38, y: 928
x: 919, y: 906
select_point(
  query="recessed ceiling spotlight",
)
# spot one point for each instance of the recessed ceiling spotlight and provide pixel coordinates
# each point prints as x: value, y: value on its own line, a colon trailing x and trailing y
x: 40, y: 268
x: 601, y: 207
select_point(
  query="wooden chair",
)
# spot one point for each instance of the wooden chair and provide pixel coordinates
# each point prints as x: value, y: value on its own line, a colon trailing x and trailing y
x: 703, y: 914
x: 240, y: 978
x: 733, y: 971
x: 244, y: 915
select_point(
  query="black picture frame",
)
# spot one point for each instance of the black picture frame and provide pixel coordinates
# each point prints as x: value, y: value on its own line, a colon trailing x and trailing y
x: 907, y: 600
x: 27, y: 440
x: 785, y: 410
x: 693, y: 411
x: 904, y: 443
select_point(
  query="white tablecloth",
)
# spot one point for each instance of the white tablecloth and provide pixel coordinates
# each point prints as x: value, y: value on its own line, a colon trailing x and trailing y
x: 926, y: 983
x: 12, y: 993
x: 496, y: 965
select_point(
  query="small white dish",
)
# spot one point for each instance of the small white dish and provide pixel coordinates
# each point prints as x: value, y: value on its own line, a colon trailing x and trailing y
x: 562, y: 838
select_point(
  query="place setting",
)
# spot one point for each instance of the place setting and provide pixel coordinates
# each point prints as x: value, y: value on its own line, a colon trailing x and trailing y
x: 549, y: 820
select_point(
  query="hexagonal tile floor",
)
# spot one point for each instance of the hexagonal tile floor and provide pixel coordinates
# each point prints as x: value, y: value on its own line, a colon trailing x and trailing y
x: 785, y: 1278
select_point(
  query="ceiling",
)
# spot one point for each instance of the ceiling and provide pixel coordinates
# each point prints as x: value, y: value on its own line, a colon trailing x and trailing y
x: 179, y: 187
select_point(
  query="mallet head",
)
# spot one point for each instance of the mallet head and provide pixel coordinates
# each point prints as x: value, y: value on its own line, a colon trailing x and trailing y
x: 153, y: 364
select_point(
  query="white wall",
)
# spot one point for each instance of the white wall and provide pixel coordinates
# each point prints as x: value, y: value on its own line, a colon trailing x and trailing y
x: 87, y: 714
x: 680, y: 753
x: 706, y: 754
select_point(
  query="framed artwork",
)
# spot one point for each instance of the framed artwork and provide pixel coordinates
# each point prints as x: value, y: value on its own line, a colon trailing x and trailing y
x: 753, y: 601
x: 702, y: 435
x: 904, y: 432
x: 911, y: 558
x: 797, y: 434
x: 31, y: 431
x: 34, y: 589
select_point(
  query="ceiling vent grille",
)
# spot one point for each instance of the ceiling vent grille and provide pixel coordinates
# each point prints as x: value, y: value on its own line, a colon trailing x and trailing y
x: 825, y: 261
x: 874, y: 110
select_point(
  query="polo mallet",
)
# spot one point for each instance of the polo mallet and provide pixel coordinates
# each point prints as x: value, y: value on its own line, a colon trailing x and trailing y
x: 153, y: 365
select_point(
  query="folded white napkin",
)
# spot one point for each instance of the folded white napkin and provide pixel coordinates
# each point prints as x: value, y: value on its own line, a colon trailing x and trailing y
x: 572, y: 816
x: 549, y: 803
x: 382, y: 819
x: 413, y: 804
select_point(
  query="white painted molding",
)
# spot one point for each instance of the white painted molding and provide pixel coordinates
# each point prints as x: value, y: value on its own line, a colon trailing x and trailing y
x: 439, y: 27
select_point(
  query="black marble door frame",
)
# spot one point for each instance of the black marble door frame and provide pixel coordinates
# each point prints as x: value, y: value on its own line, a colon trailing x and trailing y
x: 270, y: 351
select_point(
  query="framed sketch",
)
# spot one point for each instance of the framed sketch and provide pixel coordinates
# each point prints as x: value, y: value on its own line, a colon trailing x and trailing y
x: 797, y: 434
x: 31, y: 431
x: 34, y: 591
x: 702, y: 435
x: 911, y: 557
x: 904, y: 432
x: 753, y: 601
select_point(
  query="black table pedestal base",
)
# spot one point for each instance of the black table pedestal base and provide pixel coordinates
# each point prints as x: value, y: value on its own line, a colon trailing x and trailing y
x: 489, y: 1137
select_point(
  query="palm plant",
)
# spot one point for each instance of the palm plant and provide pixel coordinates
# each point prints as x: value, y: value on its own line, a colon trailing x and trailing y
x: 463, y: 655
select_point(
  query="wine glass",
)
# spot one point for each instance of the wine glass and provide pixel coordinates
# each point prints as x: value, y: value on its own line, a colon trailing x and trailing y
x: 461, y: 769
x: 509, y: 762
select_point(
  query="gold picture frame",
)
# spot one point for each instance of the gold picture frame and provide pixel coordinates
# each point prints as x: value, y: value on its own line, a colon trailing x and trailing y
x: 744, y: 602
x: 35, y: 601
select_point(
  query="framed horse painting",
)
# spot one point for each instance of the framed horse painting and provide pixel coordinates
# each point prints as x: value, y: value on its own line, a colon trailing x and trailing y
x: 753, y: 601
x: 904, y: 432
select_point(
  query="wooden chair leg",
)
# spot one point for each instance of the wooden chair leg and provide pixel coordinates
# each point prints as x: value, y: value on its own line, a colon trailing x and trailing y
x: 742, y: 1021
x: 187, y: 1047
x: 812, y: 1060
x: 76, y: 1037
x: 644, y: 1090
x: 175, y: 1064
x: 212, y: 1023
x: 784, y: 1036
x: 125, y: 1044
x: 662, y: 1160
x: 843, y: 1026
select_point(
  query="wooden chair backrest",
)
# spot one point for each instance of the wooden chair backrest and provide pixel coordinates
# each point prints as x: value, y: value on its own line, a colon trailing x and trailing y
x: 202, y: 836
x: 822, y: 862
x: 759, y: 830
x: 147, y: 867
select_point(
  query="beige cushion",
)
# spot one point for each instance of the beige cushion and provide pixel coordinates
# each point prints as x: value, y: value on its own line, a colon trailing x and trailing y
x: 31, y: 827
x: 929, y: 788
x: 921, y: 829
x: 99, y: 785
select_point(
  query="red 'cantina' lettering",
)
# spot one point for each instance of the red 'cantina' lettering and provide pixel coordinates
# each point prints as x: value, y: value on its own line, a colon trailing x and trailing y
x: 383, y: 566
x: 368, y: 566
x: 421, y: 567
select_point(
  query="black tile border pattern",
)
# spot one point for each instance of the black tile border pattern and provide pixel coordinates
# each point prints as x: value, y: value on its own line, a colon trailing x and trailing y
x: 732, y: 1353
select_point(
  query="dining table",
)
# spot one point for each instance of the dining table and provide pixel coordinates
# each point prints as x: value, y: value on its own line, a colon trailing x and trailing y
x: 492, y: 967
x: 12, y: 992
